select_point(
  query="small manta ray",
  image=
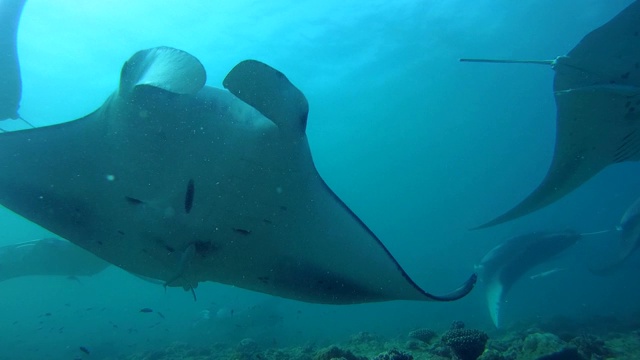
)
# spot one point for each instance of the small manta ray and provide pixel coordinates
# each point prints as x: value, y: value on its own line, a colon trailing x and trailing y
x: 597, y: 93
x: 506, y: 263
x: 181, y: 182
x: 629, y: 232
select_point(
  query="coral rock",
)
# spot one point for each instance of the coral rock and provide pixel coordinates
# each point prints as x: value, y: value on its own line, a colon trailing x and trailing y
x: 539, y: 344
x: 334, y: 352
x: 466, y: 344
x: 394, y: 355
x: 424, y: 335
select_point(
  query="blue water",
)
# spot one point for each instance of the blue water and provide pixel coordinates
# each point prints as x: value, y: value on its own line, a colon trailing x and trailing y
x: 420, y: 146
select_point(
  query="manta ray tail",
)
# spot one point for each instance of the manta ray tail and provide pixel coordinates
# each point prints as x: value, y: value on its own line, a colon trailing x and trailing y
x: 458, y: 293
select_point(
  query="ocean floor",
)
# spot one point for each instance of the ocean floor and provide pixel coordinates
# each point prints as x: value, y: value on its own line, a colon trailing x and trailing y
x: 559, y: 338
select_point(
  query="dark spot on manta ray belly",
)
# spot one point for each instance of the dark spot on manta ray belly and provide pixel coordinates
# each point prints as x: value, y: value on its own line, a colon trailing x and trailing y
x: 188, y: 197
x: 204, y: 247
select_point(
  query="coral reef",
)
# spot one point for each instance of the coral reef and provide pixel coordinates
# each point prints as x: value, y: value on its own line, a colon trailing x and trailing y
x: 334, y: 352
x: 457, y: 324
x: 175, y: 351
x: 564, y: 354
x: 247, y: 346
x: 466, y: 344
x: 393, y: 355
x: 590, y: 345
x: 424, y: 335
x: 540, y: 344
x: 458, y: 343
x: 492, y: 354
x: 366, y: 343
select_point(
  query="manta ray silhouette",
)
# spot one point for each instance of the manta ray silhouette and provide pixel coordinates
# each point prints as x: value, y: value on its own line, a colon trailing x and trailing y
x: 597, y: 93
x: 177, y: 181
x: 506, y: 263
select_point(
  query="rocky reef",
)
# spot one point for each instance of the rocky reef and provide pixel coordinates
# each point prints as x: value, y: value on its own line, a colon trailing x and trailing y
x: 532, y: 342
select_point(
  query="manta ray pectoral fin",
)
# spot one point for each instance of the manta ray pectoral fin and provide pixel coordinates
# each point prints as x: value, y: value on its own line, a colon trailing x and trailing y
x: 10, y: 80
x: 270, y: 92
x: 165, y: 68
x: 48, y: 257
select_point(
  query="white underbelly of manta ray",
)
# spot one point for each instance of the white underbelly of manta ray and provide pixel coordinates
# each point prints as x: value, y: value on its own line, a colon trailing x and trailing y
x: 181, y: 182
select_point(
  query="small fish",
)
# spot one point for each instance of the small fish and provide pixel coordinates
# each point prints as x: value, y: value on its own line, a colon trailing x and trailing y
x: 146, y: 310
x: 160, y: 314
x: 242, y: 231
x: 133, y: 201
x: 85, y: 350
x: 188, y: 198
x: 545, y: 273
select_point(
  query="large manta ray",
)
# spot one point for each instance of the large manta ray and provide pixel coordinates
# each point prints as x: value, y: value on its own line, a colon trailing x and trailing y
x: 597, y: 92
x: 177, y: 181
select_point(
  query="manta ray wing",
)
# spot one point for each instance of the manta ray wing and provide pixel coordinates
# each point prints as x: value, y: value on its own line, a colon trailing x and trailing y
x: 185, y: 183
x: 597, y: 92
x: 48, y: 256
x: 10, y: 81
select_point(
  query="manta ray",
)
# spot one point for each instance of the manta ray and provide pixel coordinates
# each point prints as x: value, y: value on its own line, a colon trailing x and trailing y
x: 49, y: 256
x: 628, y: 231
x: 181, y: 182
x: 597, y: 93
x: 505, y: 264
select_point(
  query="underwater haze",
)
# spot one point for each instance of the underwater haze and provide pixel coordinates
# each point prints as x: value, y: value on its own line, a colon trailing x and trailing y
x: 419, y: 145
